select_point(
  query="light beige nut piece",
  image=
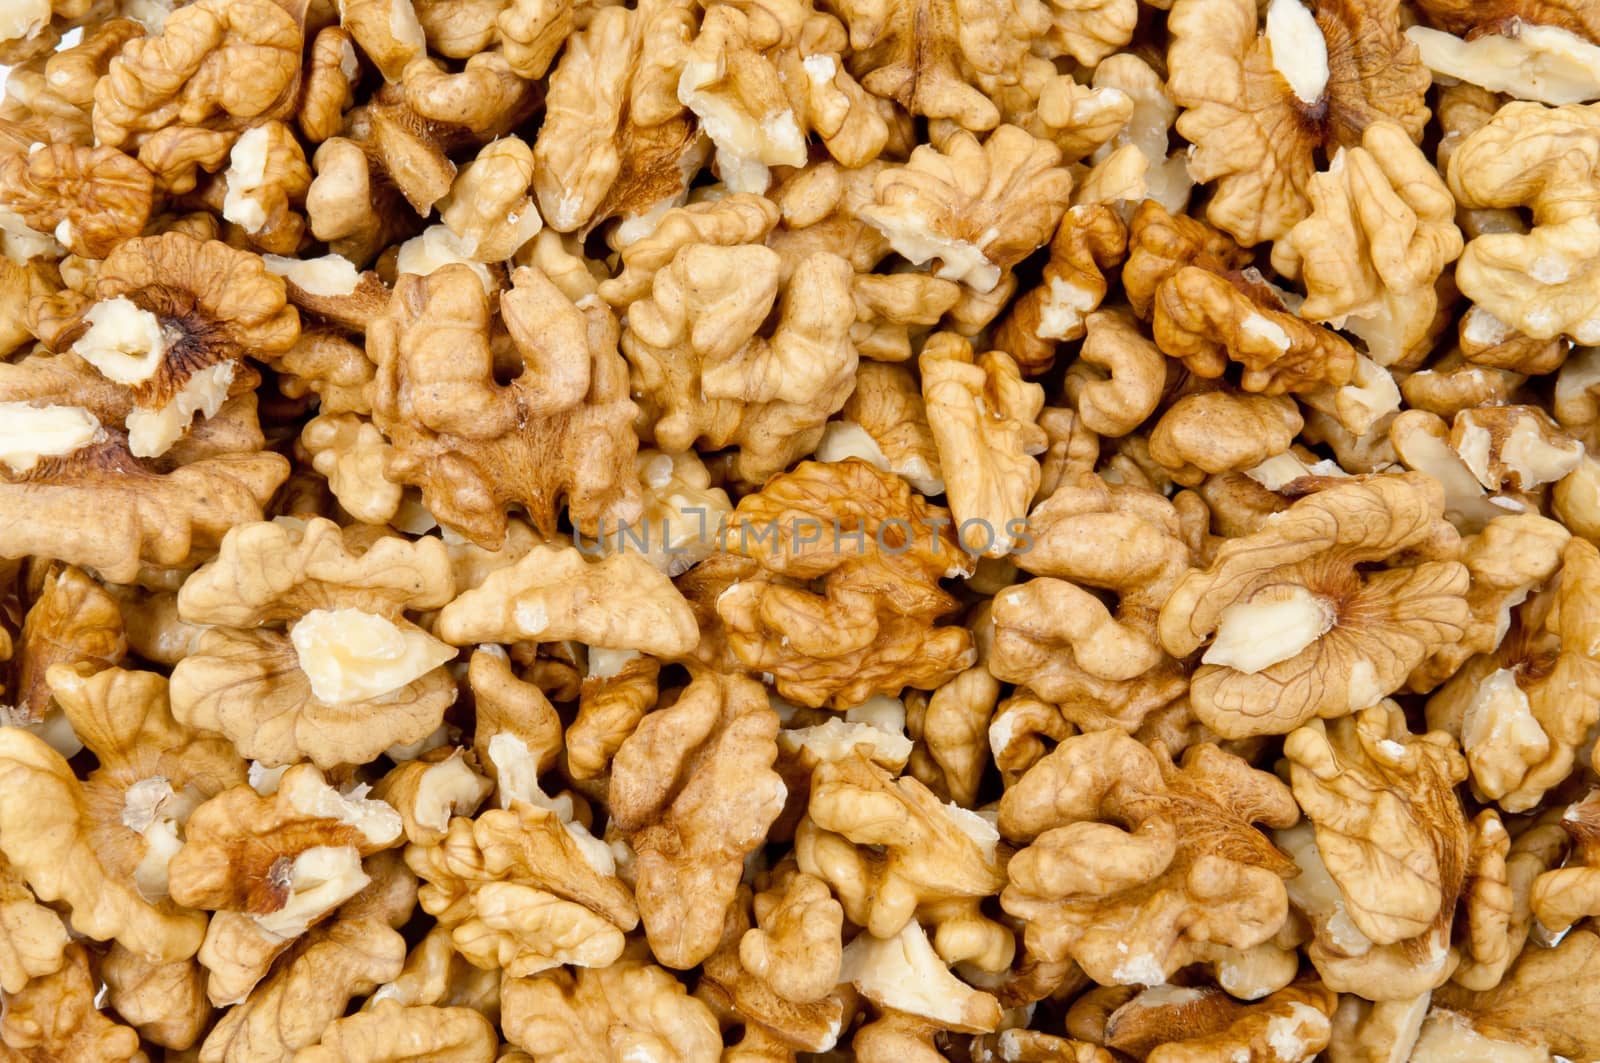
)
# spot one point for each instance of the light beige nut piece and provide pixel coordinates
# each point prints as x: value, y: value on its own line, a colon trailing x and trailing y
x: 1021, y: 726
x: 431, y: 791
x: 351, y: 454
x: 1209, y: 432
x: 1173, y: 1024
x: 1525, y: 59
x: 1342, y: 637
x: 561, y: 431
x: 1499, y: 894
x: 878, y: 551
x: 328, y: 86
x: 616, y: 141
x: 950, y: 725
x: 710, y: 374
x: 1259, y: 106
x: 1544, y: 996
x: 984, y: 425
x: 349, y: 677
x: 1562, y: 896
x: 1380, y: 231
x: 621, y: 602
x: 33, y: 938
x: 95, y: 197
x: 1119, y: 377
x: 1486, y: 340
x: 683, y: 512
x: 489, y: 210
x: 694, y: 792
x: 1208, y: 319
x: 264, y: 188
x: 1135, y: 862
x: 1513, y: 447
x: 435, y: 973
x: 1090, y: 241
x: 1523, y: 710
x: 975, y: 209
x: 72, y: 621
x: 1421, y: 442
x: 891, y: 850
x: 325, y: 362
x: 394, y: 1033
x: 1018, y: 1045
x: 55, y: 1017
x: 1541, y: 283
x: 1452, y: 384
x: 332, y: 964
x: 1055, y: 634
x: 904, y: 973
x: 885, y: 422
x: 606, y: 1015
x: 1165, y: 175
x: 353, y: 204
x: 216, y: 65
x: 796, y: 945
x: 620, y: 688
x: 388, y: 32
x: 1391, y: 835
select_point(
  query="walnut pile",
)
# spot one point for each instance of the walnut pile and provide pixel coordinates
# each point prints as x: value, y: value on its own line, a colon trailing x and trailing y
x: 761, y: 531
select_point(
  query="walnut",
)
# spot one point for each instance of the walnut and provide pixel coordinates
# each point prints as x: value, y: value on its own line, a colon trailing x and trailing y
x: 1173, y: 1024
x: 94, y: 197
x: 905, y: 974
x: 707, y: 375
x: 885, y: 422
x: 1380, y: 231
x: 33, y: 938
x: 73, y: 621
x: 264, y: 188
x: 1207, y: 432
x: 165, y: 1002
x: 616, y: 141
x: 393, y: 1033
x: 352, y: 454
x: 607, y: 1014
x: 1527, y: 59
x: 1191, y: 871
x: 1260, y: 106
x: 983, y: 417
x: 552, y: 593
x: 324, y: 362
x: 310, y: 654
x: 1091, y: 240
x: 1544, y: 996
x: 1101, y: 668
x: 1421, y: 441
x: 388, y: 32
x: 1562, y: 896
x: 693, y: 791
x: 1161, y: 243
x: 217, y: 65
x: 435, y: 973
x: 976, y: 209
x: 894, y: 854
x: 104, y: 847
x: 488, y: 208
x: 1162, y: 175
x: 761, y: 82
x: 1335, y: 639
x: 1541, y: 158
x: 174, y: 320
x: 878, y: 551
x: 558, y: 432
x: 328, y: 88
x: 796, y: 947
x: 432, y: 790
x: 1390, y: 838
x: 950, y: 725
x: 55, y: 1017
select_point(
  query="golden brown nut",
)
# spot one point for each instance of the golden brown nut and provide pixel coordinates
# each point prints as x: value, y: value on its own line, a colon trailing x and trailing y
x: 352, y: 454
x: 1090, y: 241
x: 165, y: 1002
x: 616, y: 141
x: 879, y: 551
x: 1209, y: 432
x: 1541, y: 283
x: 264, y: 188
x: 329, y: 87
x: 887, y: 409
x: 103, y: 847
x: 1390, y: 839
x: 1380, y: 231
x: 1562, y: 896
x: 1102, y: 668
x: 1301, y: 631
x: 694, y: 792
x: 984, y: 425
x: 796, y: 946
x: 216, y: 65
x: 1160, y: 243
x: 1119, y: 376
x: 1190, y: 870
x: 33, y: 939
x: 1513, y: 448
x: 601, y: 1016
x: 347, y: 676
x: 708, y: 376
x: 892, y: 853
x: 1169, y: 1024
x: 55, y: 1017
x: 488, y: 209
x: 561, y: 431
x: 1544, y: 996
x: 94, y: 197
x: 73, y: 621
x: 394, y: 1033
x: 1259, y: 107
x: 976, y: 209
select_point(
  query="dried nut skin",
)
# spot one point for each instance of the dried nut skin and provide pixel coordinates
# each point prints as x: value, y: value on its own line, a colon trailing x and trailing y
x: 873, y: 629
x: 1131, y: 905
x: 1346, y: 638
